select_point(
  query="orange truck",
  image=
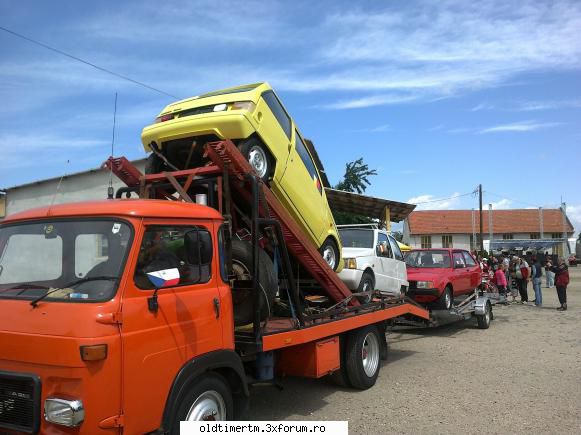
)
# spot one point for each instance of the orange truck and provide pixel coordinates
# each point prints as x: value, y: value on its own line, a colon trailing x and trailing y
x: 127, y: 316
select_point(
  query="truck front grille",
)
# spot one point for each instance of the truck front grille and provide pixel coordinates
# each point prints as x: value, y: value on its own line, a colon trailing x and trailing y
x: 19, y: 402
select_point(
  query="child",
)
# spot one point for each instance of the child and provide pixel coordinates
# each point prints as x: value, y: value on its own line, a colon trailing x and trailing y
x: 500, y: 279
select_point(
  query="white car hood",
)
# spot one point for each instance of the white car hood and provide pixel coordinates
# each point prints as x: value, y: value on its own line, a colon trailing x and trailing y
x: 358, y: 252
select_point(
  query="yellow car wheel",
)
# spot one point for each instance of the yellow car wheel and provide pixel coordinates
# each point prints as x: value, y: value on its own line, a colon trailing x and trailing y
x: 259, y: 157
x: 330, y: 253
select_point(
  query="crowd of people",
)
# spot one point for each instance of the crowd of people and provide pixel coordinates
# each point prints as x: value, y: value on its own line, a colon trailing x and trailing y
x: 512, y: 276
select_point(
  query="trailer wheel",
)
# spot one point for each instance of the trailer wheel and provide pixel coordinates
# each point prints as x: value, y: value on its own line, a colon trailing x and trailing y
x: 485, y: 319
x: 243, y: 300
x: 330, y: 253
x: 208, y: 399
x: 259, y: 157
x: 362, y: 358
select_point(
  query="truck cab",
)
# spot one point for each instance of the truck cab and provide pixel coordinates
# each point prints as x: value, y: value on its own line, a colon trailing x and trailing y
x: 104, y: 306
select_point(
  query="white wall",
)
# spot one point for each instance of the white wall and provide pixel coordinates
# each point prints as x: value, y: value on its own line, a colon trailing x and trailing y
x: 86, y: 186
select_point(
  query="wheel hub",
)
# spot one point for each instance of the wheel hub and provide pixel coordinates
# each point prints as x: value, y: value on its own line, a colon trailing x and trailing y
x: 209, y: 406
x: 329, y: 256
x: 370, y: 354
x: 257, y: 160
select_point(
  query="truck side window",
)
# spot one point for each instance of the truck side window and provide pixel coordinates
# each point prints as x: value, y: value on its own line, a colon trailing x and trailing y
x: 222, y: 253
x: 278, y: 112
x: 163, y: 249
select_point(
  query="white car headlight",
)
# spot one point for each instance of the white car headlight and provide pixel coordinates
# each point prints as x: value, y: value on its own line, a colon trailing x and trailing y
x: 70, y: 413
x: 350, y: 263
x: 425, y: 284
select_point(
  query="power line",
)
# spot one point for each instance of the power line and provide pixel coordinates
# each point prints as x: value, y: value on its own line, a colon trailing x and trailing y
x: 444, y: 199
x: 78, y: 59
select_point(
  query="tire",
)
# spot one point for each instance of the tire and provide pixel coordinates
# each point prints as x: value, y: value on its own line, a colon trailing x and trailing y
x: 367, y: 283
x: 485, y: 319
x: 208, y: 398
x: 259, y: 157
x: 445, y: 300
x: 153, y: 164
x: 243, y: 299
x: 362, y: 357
x: 330, y: 253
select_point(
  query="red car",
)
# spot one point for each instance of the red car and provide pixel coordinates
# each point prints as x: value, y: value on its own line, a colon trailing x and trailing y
x: 437, y: 276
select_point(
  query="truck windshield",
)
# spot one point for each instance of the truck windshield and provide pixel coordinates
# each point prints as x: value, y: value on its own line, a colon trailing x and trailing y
x: 356, y: 238
x: 428, y: 259
x: 70, y: 260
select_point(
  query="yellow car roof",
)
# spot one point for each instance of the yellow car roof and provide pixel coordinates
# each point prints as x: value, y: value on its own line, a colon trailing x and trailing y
x: 250, y: 92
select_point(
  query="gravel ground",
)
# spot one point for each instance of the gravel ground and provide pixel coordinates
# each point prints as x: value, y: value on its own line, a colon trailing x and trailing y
x: 523, y: 375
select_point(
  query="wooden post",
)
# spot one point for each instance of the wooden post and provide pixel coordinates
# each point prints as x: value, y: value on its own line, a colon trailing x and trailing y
x: 387, y: 212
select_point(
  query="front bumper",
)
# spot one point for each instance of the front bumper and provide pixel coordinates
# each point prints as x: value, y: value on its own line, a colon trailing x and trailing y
x: 351, y: 278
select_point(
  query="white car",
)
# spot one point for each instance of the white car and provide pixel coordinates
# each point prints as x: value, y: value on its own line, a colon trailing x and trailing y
x: 372, y: 260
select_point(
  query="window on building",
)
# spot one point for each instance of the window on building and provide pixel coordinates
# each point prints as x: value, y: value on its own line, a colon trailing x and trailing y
x: 556, y: 235
x: 447, y: 241
x: 426, y: 242
x: 535, y: 236
x: 507, y: 236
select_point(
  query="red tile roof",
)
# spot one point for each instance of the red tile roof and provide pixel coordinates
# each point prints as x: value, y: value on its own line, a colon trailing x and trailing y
x: 503, y: 221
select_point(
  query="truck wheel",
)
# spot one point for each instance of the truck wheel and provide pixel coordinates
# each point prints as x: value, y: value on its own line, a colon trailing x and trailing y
x: 366, y: 284
x: 445, y: 300
x: 208, y: 399
x: 484, y: 319
x: 242, y: 299
x: 330, y: 253
x: 362, y: 358
x: 259, y: 157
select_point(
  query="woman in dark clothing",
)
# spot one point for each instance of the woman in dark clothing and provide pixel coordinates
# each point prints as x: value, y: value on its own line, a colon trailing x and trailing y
x: 561, y: 272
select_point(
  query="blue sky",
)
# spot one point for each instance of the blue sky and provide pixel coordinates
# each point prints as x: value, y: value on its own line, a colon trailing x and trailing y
x: 437, y: 96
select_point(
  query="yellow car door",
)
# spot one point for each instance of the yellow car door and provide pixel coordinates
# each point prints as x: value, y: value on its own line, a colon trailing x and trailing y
x: 303, y: 187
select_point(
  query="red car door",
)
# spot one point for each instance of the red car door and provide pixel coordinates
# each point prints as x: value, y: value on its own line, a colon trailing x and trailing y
x: 461, y: 281
x: 473, y: 269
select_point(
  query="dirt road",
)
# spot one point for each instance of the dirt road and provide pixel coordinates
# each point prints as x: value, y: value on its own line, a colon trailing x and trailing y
x: 523, y: 375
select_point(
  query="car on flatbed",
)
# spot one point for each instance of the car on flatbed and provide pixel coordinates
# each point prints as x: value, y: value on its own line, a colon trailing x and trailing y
x: 372, y: 260
x: 253, y: 117
x: 437, y: 276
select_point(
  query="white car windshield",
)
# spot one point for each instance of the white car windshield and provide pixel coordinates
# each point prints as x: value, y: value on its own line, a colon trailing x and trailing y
x: 356, y: 238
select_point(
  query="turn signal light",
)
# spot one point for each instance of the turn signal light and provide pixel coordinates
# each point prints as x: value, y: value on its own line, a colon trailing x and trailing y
x: 95, y: 352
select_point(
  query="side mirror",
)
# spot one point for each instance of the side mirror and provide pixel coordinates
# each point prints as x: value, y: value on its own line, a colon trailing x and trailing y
x: 198, y: 247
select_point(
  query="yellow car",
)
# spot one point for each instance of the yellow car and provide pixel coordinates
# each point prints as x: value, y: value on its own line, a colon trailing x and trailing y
x: 252, y: 117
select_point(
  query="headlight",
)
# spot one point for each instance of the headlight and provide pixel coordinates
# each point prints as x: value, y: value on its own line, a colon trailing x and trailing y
x: 350, y: 263
x: 243, y: 105
x: 425, y: 284
x: 70, y: 413
x: 220, y: 107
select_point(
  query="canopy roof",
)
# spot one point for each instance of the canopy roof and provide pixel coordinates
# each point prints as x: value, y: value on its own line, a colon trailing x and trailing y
x: 368, y: 206
x: 524, y: 244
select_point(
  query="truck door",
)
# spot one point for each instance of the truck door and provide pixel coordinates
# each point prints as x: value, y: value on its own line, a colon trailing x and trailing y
x: 388, y: 267
x: 160, y: 337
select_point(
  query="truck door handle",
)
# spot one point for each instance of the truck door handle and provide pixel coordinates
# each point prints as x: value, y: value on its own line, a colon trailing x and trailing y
x: 217, y: 307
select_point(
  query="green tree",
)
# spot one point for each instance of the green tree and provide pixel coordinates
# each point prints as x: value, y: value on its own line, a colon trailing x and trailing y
x: 356, y: 179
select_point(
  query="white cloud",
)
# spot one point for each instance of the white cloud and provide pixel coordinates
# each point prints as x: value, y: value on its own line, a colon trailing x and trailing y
x: 430, y: 202
x: 504, y: 203
x: 374, y: 100
x: 574, y: 215
x: 522, y: 126
x: 482, y: 106
x: 531, y: 106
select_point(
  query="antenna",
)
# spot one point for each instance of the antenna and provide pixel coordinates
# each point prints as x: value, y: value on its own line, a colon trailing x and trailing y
x: 110, y: 189
x: 58, y: 187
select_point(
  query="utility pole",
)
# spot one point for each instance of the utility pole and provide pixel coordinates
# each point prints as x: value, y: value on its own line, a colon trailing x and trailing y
x: 565, y: 241
x: 490, y: 227
x: 480, y: 204
x: 542, y: 225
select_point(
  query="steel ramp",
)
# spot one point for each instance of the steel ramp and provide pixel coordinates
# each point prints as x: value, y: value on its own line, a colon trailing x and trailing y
x: 225, y: 154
